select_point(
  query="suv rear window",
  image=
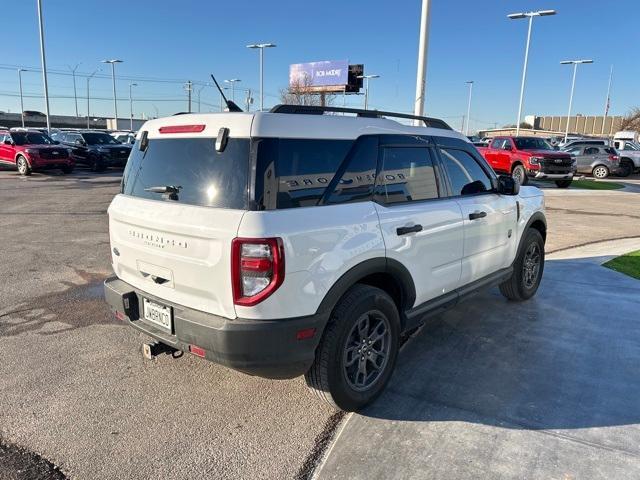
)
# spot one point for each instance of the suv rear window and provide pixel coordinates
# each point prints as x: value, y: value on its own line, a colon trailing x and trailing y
x: 202, y: 176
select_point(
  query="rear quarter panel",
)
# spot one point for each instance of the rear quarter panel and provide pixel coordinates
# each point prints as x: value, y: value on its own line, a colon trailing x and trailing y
x: 321, y: 245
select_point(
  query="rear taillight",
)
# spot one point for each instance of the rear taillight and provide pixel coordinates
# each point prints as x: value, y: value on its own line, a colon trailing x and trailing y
x: 257, y: 269
x: 614, y: 158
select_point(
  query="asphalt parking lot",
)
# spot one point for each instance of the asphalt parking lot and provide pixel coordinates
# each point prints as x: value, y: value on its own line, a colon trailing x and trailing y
x: 75, y: 389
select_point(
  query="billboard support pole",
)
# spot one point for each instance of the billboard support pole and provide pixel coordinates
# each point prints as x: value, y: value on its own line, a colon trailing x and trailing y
x: 422, y: 59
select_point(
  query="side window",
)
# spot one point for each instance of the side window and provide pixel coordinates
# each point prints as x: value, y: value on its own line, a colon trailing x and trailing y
x: 406, y: 175
x: 592, y: 151
x: 357, y: 180
x: 466, y: 176
x: 497, y: 143
x: 293, y: 173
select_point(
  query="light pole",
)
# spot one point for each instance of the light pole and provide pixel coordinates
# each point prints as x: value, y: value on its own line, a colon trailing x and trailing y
x: 575, y: 64
x: 156, y: 109
x: 606, y: 103
x: 529, y: 15
x: 199, y: 91
x: 20, y: 70
x: 233, y: 82
x: 44, y: 66
x: 113, y: 78
x: 418, y: 108
x: 131, y: 105
x: 88, y: 96
x: 470, y: 83
x: 261, y: 46
x: 75, y: 94
x: 366, y: 88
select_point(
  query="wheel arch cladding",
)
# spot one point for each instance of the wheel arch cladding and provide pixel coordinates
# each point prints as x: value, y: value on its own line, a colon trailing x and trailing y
x: 384, y: 273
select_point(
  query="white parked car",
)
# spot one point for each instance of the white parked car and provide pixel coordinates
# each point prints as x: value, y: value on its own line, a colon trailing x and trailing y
x: 124, y: 137
x: 294, y: 242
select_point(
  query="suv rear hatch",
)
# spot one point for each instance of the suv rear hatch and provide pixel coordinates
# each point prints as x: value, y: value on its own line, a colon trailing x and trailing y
x: 181, y: 205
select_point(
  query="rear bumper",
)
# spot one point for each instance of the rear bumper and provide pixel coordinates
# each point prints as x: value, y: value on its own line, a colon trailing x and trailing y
x: 266, y: 348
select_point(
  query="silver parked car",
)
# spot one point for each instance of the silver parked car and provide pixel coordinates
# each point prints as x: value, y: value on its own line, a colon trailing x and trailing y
x: 597, y: 160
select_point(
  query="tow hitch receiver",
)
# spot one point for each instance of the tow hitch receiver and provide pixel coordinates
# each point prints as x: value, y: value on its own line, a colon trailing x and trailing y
x: 153, y: 349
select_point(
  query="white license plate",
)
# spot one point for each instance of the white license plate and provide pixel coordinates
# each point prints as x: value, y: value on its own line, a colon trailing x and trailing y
x: 160, y: 315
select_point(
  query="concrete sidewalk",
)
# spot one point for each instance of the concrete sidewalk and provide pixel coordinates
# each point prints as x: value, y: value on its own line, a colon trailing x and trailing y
x: 546, y: 389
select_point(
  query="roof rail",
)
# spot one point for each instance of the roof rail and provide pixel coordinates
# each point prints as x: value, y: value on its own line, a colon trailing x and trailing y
x: 318, y: 110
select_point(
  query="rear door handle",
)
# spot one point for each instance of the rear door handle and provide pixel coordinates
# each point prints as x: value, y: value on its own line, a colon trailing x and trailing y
x: 476, y: 215
x: 411, y: 229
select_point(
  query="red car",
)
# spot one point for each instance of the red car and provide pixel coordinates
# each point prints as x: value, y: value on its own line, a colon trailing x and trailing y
x: 31, y: 150
x: 529, y: 157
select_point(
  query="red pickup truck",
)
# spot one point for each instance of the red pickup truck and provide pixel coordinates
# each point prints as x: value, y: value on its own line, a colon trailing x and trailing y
x: 529, y: 157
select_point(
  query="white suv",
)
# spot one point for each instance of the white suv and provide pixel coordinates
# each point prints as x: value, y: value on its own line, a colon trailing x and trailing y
x: 308, y: 240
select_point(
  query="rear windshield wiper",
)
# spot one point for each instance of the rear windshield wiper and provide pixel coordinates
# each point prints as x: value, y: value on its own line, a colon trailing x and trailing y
x: 163, y: 189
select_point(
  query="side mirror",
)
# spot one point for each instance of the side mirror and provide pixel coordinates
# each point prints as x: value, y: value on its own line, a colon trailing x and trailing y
x: 507, y: 147
x: 507, y: 185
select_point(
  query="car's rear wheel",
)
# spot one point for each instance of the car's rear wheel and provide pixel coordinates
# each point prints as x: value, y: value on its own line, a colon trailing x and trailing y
x: 23, y: 166
x: 626, y: 167
x: 563, y: 183
x: 95, y: 165
x: 527, y: 268
x: 66, y: 170
x: 358, y: 350
x: 519, y: 174
x: 600, y: 171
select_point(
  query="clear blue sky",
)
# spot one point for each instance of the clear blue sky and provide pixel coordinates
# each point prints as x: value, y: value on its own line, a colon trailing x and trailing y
x: 470, y: 40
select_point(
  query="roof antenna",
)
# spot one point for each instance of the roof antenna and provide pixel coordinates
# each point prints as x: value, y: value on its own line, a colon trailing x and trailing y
x: 231, y: 106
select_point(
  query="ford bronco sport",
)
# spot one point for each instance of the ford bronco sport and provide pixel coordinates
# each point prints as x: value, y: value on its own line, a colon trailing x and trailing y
x: 307, y: 240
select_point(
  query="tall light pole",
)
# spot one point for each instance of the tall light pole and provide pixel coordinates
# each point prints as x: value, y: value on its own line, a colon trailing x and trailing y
x: 366, y: 88
x: 44, y: 66
x: 131, y: 105
x: 20, y: 70
x: 261, y: 46
x: 470, y: 83
x: 575, y: 64
x: 88, y: 96
x: 529, y: 15
x: 75, y: 94
x: 606, y: 103
x: 200, y: 91
x: 421, y: 79
x: 113, y: 78
x: 233, y: 82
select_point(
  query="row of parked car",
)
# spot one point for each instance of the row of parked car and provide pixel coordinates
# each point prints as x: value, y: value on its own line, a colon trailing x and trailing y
x: 31, y: 150
x: 526, y: 157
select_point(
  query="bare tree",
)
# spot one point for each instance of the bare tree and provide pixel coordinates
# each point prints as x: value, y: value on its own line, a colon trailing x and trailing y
x: 302, y: 92
x: 631, y: 120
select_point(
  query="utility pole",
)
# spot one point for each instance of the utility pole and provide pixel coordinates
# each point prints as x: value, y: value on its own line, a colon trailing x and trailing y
x: 188, y: 87
x: 131, y: 106
x: 20, y: 70
x: 423, y: 46
x: 88, y: 113
x: 470, y: 83
x: 606, y: 104
x: 44, y: 66
x: 75, y: 94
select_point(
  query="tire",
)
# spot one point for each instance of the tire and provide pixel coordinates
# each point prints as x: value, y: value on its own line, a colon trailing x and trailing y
x: 345, y: 386
x: 627, y: 167
x: 600, y: 172
x: 563, y: 183
x: 23, y: 166
x: 95, y: 165
x: 524, y: 282
x: 66, y: 170
x: 519, y: 174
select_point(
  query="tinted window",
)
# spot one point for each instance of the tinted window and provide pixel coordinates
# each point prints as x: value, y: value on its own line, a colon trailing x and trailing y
x: 406, y: 175
x: 72, y: 137
x: 497, y: 143
x: 31, y: 138
x: 192, y: 165
x: 99, y: 139
x: 357, y: 180
x: 591, y: 151
x: 466, y: 175
x: 296, y: 172
x: 610, y: 151
x: 532, y: 143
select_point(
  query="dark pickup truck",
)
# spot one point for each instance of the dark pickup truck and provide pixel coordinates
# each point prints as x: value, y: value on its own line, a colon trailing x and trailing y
x: 529, y: 157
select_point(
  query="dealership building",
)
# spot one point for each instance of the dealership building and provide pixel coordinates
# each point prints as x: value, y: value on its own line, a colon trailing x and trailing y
x: 597, y: 126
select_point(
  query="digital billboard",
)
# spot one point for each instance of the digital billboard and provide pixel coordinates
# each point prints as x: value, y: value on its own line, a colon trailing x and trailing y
x: 319, y: 75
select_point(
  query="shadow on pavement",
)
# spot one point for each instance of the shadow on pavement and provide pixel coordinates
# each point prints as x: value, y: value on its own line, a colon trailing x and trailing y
x: 567, y: 359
